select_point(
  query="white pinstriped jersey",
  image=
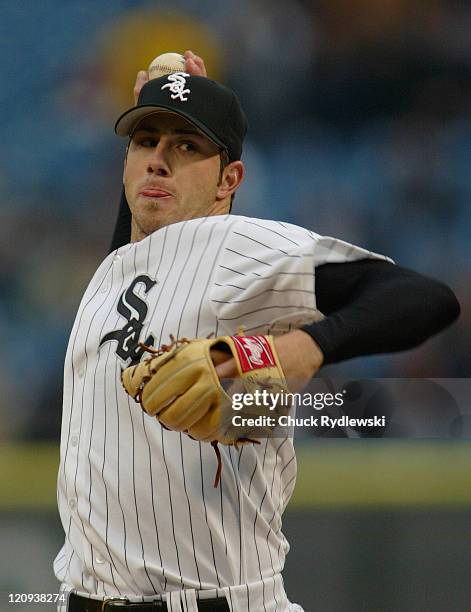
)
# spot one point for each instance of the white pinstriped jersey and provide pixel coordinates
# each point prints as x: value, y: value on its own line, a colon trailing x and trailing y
x: 137, y: 502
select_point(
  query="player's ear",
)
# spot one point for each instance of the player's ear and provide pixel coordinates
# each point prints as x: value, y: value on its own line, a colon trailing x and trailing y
x: 232, y: 177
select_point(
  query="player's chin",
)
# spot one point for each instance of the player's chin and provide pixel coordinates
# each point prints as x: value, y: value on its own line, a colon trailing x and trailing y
x: 155, y: 209
x: 153, y: 222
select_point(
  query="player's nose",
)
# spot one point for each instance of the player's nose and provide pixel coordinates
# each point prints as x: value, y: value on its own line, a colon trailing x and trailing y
x: 158, y: 161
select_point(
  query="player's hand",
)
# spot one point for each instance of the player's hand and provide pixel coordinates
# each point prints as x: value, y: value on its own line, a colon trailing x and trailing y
x: 300, y: 358
x: 194, y: 65
x: 141, y: 79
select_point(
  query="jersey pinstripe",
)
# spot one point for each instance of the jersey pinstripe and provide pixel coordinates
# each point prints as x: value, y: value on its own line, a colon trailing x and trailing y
x: 137, y: 503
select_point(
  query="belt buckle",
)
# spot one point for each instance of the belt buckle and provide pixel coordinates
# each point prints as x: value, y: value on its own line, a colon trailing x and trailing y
x: 111, y: 600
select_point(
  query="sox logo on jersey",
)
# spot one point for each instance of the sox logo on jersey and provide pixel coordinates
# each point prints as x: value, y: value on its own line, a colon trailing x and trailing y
x: 134, y: 310
x: 137, y: 503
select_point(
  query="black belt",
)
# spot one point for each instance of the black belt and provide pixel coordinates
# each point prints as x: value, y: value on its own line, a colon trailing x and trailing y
x: 84, y: 604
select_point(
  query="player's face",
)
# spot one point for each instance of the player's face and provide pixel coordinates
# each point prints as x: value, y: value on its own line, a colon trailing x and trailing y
x: 171, y: 174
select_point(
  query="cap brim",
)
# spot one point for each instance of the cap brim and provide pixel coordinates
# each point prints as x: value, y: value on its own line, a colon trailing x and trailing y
x: 126, y: 124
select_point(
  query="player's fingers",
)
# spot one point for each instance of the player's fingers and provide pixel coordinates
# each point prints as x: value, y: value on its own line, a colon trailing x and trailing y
x: 141, y: 79
x: 192, y: 68
x: 227, y: 369
x: 194, y: 64
x: 218, y: 356
x: 200, y: 63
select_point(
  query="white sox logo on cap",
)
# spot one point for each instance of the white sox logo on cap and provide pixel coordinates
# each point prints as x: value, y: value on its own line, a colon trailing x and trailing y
x: 213, y: 109
x: 177, y: 86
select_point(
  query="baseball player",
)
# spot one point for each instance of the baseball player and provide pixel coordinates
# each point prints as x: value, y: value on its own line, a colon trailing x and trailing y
x: 145, y: 527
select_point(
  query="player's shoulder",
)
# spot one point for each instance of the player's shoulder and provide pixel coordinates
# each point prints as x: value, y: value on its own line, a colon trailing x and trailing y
x: 290, y: 238
x: 280, y: 232
x: 217, y: 229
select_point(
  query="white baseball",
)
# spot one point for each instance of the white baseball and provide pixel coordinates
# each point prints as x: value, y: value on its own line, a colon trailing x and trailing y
x: 166, y: 64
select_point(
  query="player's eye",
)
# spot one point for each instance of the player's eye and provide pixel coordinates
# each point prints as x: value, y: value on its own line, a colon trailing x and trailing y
x: 187, y: 147
x: 147, y: 141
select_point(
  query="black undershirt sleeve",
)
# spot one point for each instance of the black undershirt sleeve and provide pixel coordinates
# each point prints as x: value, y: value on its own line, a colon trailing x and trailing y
x: 122, y: 228
x: 373, y: 306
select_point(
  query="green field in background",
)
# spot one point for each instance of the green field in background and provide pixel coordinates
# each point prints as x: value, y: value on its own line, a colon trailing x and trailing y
x: 336, y: 474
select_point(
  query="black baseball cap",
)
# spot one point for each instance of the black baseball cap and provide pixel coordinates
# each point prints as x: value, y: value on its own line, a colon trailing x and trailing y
x: 211, y: 107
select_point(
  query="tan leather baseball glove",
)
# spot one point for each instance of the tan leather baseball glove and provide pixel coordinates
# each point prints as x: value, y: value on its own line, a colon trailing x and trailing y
x: 179, y: 385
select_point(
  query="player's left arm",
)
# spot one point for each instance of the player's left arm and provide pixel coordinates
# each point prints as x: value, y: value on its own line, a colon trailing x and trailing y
x: 371, y: 306
x: 374, y: 306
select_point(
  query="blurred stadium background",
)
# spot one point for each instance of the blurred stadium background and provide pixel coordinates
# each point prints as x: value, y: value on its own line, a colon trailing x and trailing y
x: 360, y: 115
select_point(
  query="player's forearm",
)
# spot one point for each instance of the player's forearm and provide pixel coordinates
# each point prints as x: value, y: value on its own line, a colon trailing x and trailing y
x: 389, y: 309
